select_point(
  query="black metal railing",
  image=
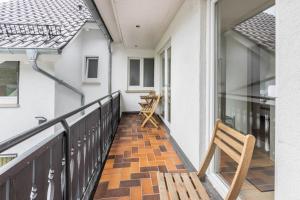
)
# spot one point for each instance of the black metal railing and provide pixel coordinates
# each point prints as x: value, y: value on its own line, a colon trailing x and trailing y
x: 66, y: 164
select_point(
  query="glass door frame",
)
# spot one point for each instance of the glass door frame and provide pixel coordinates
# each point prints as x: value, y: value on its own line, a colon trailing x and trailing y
x: 216, y: 180
x: 164, y: 51
x: 212, y: 38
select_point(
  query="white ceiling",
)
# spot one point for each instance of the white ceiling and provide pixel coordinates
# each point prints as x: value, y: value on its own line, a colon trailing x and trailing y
x: 234, y: 12
x: 153, y: 16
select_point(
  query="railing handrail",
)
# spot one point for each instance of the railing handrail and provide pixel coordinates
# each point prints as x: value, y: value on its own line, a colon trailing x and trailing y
x: 36, y: 130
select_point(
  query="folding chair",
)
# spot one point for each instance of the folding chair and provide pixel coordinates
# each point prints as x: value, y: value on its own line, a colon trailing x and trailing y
x: 239, y: 147
x: 149, y: 111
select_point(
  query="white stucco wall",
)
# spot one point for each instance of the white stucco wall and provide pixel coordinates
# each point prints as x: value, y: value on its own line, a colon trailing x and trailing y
x: 36, y: 98
x: 89, y: 42
x: 184, y: 34
x: 287, y: 160
x: 129, y: 101
x: 41, y: 96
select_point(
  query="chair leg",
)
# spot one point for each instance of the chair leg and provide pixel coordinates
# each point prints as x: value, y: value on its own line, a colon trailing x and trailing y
x: 149, y: 118
x: 153, y: 118
x: 145, y: 120
x: 153, y: 122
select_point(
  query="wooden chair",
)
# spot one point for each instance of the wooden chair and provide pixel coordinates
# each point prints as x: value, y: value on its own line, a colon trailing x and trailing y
x: 239, y: 147
x: 148, y: 112
x: 147, y: 101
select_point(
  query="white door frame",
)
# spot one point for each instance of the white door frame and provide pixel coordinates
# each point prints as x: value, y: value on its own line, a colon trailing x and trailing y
x: 216, y: 180
x: 164, y: 51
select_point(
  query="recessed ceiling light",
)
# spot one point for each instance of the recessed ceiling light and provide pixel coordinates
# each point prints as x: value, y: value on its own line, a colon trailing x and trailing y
x: 138, y: 26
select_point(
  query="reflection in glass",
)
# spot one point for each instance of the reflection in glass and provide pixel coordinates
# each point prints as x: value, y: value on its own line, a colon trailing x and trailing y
x: 245, y: 81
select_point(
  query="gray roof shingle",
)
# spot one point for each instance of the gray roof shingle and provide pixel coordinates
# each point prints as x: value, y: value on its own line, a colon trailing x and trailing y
x: 260, y: 29
x: 63, y: 13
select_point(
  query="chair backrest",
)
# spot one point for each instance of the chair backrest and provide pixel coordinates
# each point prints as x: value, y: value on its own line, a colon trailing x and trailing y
x: 152, y: 93
x: 237, y: 146
x: 155, y: 104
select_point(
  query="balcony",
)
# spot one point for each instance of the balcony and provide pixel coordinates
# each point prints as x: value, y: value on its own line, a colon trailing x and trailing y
x: 99, y: 156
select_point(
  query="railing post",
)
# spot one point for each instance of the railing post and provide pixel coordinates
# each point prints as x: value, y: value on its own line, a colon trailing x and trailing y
x: 112, y: 116
x: 101, y: 132
x: 119, y: 109
x: 67, y: 158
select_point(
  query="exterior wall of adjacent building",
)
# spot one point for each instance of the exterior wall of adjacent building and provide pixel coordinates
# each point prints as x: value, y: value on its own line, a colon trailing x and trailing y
x: 69, y: 67
x: 41, y: 96
x: 36, y: 97
x: 287, y: 177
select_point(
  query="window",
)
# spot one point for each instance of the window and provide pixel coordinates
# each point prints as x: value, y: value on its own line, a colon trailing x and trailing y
x: 140, y: 73
x: 91, y: 69
x: 148, y: 72
x: 9, y: 80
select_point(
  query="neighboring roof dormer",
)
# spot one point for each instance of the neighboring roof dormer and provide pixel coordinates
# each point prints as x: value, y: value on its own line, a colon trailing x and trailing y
x: 48, y: 24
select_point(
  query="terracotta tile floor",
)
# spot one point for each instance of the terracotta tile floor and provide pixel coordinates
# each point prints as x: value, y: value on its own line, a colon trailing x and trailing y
x: 134, y: 159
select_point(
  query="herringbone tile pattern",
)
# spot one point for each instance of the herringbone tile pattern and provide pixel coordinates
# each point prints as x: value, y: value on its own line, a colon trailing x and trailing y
x: 134, y: 159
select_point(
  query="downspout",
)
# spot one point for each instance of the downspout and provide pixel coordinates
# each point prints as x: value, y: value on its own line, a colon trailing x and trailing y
x: 32, y: 55
x: 97, y: 17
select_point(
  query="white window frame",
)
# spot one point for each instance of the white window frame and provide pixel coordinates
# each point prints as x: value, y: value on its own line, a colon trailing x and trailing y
x: 140, y: 87
x: 12, y: 101
x: 85, y: 78
x: 164, y: 85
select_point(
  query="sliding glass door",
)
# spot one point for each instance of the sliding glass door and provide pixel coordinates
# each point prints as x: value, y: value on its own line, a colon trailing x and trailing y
x: 244, y: 92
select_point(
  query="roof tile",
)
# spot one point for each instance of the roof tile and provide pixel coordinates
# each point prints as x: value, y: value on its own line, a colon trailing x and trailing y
x: 64, y: 13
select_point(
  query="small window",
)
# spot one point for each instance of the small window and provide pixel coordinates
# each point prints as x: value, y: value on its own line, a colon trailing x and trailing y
x: 91, y: 70
x: 134, y: 72
x: 148, y: 72
x: 9, y: 83
x: 140, y: 73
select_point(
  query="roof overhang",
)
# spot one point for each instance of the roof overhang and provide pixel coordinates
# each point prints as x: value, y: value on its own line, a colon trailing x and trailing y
x: 23, y: 50
x: 97, y: 17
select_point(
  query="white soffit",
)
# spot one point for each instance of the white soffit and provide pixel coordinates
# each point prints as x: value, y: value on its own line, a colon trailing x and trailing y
x: 153, y: 17
x: 234, y: 12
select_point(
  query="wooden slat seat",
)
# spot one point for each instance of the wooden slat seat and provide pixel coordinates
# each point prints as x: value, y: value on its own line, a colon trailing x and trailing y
x: 178, y: 186
x: 181, y: 186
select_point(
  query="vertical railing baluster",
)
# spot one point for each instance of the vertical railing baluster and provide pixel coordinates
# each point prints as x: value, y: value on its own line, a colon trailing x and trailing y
x: 33, y: 193
x: 67, y: 158
x: 50, y: 191
x: 7, y: 190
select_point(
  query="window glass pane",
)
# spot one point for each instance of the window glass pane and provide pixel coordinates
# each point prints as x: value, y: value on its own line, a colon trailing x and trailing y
x: 9, y: 78
x: 148, y: 72
x: 134, y: 76
x: 245, y: 82
x: 92, y: 68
